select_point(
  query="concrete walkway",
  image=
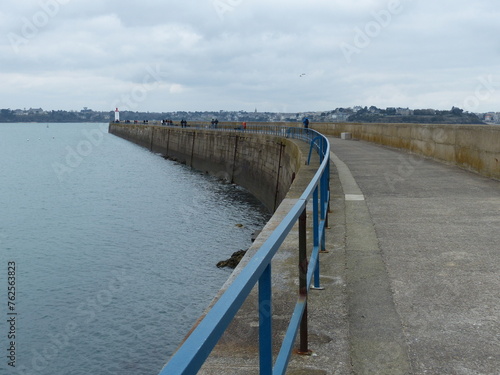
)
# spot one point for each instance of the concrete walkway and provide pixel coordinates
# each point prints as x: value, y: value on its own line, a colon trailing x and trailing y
x: 422, y: 248
x: 412, y: 277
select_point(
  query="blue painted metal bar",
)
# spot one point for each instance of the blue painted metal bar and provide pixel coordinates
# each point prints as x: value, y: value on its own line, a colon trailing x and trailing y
x: 315, y: 205
x: 324, y: 206
x: 323, y: 214
x: 191, y: 355
x: 310, y: 154
x: 317, y: 233
x: 290, y: 336
x: 265, y: 323
x: 317, y: 144
x: 317, y: 283
x: 325, y: 203
x: 324, y: 196
x: 322, y: 228
x: 313, y: 260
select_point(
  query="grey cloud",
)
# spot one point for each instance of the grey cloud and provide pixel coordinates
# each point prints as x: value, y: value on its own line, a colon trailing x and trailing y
x: 238, y: 54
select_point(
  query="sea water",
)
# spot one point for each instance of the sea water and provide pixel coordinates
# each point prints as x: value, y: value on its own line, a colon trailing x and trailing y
x: 110, y: 250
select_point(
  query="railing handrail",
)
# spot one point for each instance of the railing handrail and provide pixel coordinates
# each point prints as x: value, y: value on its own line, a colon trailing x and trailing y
x: 198, y: 345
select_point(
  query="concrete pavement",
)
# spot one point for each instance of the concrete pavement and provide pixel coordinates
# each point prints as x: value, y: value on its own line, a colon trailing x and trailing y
x: 237, y: 351
x: 423, y: 257
x: 411, y: 278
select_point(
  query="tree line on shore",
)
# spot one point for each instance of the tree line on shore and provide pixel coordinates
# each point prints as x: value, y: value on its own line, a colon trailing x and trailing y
x: 362, y: 115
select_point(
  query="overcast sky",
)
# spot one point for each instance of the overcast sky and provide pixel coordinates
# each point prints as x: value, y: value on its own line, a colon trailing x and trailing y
x: 273, y: 55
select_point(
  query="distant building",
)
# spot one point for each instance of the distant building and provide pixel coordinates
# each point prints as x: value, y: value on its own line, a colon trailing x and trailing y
x: 36, y: 111
x: 340, y: 117
x: 404, y: 111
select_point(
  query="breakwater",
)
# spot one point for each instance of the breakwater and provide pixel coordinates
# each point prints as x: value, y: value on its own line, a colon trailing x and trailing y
x: 472, y: 147
x: 265, y: 165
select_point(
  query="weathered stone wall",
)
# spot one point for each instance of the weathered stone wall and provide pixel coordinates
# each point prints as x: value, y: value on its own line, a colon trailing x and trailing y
x: 265, y: 165
x: 473, y: 147
x: 140, y: 135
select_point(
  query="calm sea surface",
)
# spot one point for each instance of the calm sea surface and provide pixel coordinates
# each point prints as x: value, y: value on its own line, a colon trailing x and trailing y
x: 114, y: 249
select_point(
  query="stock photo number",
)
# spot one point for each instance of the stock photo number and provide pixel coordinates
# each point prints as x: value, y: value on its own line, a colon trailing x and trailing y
x: 11, y: 314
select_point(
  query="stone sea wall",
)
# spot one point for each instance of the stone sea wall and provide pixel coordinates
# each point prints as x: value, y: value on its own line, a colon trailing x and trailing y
x: 263, y: 164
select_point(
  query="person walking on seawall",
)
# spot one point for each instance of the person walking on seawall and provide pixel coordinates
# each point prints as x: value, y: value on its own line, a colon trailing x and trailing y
x: 244, y: 125
x: 305, y: 121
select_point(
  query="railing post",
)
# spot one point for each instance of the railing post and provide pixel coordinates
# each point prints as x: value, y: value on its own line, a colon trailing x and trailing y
x: 303, y: 266
x: 327, y: 181
x: 316, y: 234
x: 322, y: 185
x: 265, y: 323
x: 315, y: 216
x: 324, y: 213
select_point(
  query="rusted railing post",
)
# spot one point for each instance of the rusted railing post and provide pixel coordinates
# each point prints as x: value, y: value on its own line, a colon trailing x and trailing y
x: 303, y: 265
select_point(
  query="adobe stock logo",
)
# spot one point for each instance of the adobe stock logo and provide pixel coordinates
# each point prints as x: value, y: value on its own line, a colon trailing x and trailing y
x: 223, y: 6
x: 485, y: 90
x: 139, y: 93
x: 75, y: 155
x: 372, y: 29
x: 31, y: 26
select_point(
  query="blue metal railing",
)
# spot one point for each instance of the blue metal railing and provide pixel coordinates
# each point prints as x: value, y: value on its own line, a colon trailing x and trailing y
x: 190, y: 357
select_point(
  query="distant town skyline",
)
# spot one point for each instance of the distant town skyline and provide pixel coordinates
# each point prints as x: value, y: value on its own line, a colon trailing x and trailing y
x: 355, y: 108
x: 280, y: 56
x: 340, y: 114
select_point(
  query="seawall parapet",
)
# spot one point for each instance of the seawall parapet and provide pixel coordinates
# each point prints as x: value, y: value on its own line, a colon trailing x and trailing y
x: 472, y: 147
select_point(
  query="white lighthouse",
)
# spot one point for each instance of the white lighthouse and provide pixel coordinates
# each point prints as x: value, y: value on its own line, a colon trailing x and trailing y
x: 117, y: 115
